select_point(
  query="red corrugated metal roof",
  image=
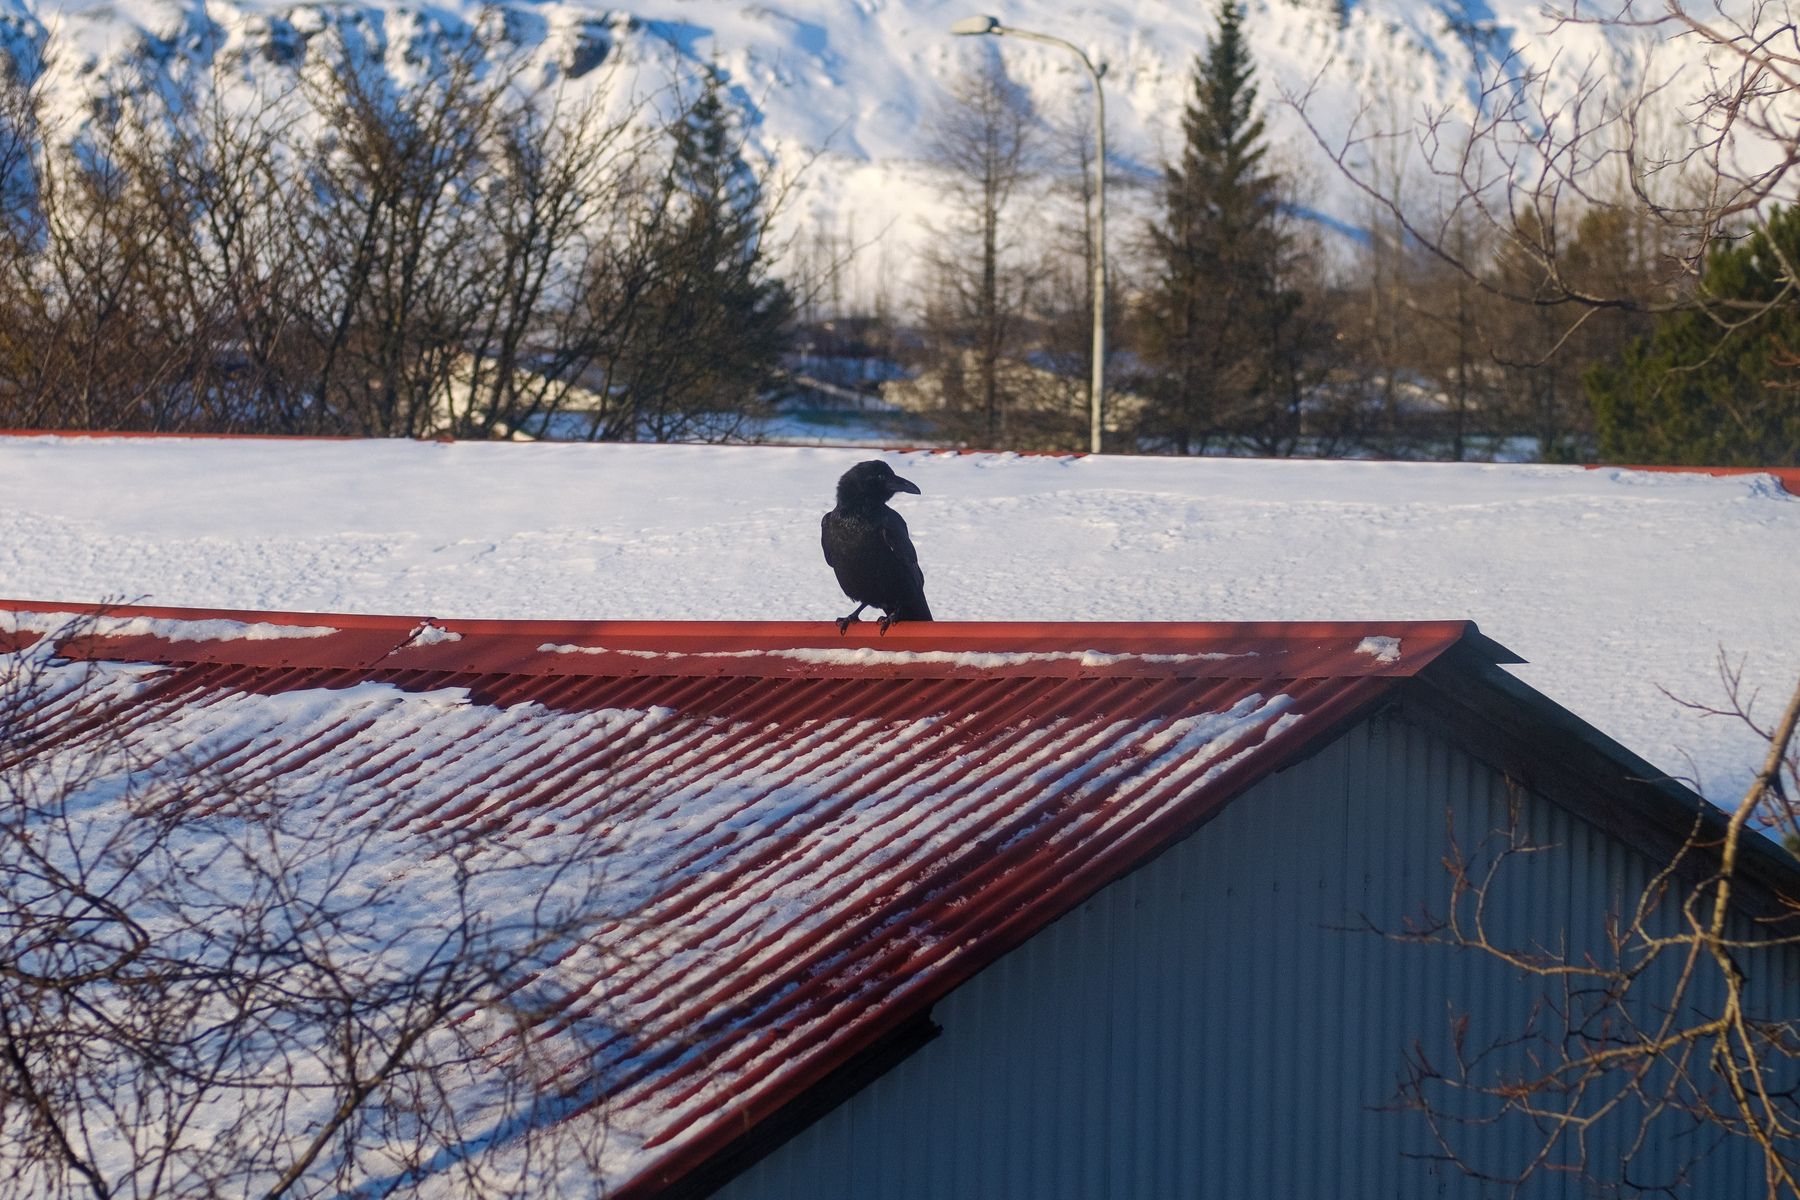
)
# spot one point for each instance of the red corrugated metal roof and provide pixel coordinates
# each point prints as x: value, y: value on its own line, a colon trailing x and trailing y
x: 837, y: 830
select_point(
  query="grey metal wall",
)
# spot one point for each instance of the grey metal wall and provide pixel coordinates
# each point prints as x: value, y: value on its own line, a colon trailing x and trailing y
x: 1211, y: 1027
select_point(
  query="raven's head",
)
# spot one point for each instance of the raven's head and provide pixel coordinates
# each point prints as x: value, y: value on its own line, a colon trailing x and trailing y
x: 871, y: 482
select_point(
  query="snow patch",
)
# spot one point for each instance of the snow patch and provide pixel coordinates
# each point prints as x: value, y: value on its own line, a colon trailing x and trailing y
x: 428, y: 634
x: 167, y: 629
x: 1384, y: 650
x: 870, y: 656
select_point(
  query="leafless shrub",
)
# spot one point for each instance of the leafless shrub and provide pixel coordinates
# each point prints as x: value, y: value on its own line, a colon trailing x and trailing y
x: 1674, y: 1038
x: 1543, y: 148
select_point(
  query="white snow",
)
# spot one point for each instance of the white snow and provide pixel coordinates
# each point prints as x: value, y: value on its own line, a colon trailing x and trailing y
x: 1621, y: 588
x: 161, y: 627
x: 874, y: 656
x: 428, y: 634
x: 1383, y: 650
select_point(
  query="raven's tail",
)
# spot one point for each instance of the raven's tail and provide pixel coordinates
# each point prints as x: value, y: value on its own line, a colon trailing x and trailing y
x: 913, y: 608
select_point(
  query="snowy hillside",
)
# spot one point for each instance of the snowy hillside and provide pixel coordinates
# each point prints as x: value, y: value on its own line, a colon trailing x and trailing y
x: 1615, y: 585
x: 857, y: 80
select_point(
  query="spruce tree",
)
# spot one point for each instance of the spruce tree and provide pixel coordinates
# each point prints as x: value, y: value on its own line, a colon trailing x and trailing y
x: 1717, y: 383
x: 708, y: 342
x: 1221, y: 326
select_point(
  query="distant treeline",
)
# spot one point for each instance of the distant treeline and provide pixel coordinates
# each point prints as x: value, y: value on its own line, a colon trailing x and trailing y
x: 460, y: 255
x: 1566, y: 320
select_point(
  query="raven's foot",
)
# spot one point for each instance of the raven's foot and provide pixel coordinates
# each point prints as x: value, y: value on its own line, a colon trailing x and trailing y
x: 884, y: 623
x: 843, y: 624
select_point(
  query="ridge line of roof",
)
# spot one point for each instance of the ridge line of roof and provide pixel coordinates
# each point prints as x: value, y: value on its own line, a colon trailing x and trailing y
x: 902, y: 631
x: 378, y: 642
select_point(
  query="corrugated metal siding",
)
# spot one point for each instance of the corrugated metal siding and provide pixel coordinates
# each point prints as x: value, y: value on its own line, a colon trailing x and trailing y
x: 1210, y: 1027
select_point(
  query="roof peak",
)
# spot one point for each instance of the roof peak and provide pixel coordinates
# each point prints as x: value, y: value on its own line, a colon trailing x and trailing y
x: 1225, y: 649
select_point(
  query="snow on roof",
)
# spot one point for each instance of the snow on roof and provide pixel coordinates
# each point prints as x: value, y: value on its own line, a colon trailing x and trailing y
x: 1614, y: 584
x: 804, y: 850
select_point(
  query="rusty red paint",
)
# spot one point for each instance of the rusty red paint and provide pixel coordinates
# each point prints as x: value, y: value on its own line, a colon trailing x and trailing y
x: 1029, y: 769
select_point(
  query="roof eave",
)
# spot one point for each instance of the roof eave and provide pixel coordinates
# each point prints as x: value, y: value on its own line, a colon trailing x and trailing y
x: 1544, y: 748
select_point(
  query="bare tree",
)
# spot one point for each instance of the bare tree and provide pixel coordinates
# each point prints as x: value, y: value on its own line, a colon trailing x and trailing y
x: 397, y: 173
x: 1695, y: 155
x: 91, y: 339
x: 1064, y: 324
x: 1676, y: 1037
x: 454, y: 253
x: 984, y: 142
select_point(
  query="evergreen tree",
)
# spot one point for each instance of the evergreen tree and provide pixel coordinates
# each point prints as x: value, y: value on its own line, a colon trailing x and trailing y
x: 1222, y: 325
x: 1717, y: 383
x: 711, y: 324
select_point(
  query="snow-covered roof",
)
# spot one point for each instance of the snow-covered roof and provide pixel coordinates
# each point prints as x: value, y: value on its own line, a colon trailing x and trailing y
x: 1619, y: 587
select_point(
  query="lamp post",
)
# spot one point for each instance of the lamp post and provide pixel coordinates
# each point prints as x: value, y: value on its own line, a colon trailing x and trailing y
x: 977, y: 26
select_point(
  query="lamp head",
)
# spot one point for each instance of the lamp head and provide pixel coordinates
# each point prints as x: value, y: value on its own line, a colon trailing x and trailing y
x: 974, y: 26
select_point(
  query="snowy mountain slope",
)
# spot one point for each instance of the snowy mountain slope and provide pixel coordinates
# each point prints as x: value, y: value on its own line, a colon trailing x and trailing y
x: 857, y: 79
x: 1615, y: 585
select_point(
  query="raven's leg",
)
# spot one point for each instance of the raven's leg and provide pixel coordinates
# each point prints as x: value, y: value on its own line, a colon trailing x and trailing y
x: 843, y: 623
x: 887, y: 619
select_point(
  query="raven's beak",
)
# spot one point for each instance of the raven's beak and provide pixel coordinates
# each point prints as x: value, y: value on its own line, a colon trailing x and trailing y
x: 905, y: 485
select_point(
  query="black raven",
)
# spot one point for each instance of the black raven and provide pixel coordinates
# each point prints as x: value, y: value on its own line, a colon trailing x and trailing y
x: 867, y: 545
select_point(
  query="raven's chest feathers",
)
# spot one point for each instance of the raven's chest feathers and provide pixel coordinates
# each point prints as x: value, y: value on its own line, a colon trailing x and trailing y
x: 871, y: 554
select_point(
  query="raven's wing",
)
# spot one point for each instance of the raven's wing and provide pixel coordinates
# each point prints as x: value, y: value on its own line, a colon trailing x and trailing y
x: 893, y: 532
x: 825, y: 539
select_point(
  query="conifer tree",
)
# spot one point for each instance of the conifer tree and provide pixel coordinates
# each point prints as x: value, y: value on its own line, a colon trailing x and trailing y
x: 711, y: 322
x: 1221, y: 327
x: 1717, y: 383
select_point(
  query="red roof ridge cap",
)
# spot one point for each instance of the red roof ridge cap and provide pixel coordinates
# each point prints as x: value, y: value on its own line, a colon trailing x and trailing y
x: 539, y: 647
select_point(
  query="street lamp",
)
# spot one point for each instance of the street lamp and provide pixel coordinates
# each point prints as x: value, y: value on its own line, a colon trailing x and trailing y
x: 977, y: 26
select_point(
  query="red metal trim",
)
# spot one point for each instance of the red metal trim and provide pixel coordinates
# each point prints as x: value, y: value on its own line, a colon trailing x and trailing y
x: 385, y: 642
